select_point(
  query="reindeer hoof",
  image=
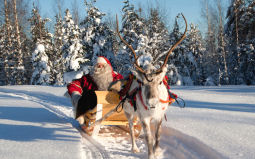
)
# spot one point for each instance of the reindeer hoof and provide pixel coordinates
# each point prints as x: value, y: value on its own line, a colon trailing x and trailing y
x: 158, y: 151
x: 135, y: 150
x: 151, y: 157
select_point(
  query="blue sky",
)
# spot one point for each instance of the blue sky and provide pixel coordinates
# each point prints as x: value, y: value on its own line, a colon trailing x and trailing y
x: 190, y: 8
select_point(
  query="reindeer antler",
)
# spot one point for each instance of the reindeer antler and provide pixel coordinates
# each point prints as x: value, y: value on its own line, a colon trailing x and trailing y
x: 174, y: 46
x: 129, y: 46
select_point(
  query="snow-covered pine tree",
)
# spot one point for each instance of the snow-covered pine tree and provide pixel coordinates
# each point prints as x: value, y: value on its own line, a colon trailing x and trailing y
x: 247, y: 39
x: 43, y: 46
x: 9, y: 46
x: 173, y: 70
x: 240, y: 30
x: 181, y: 58
x: 27, y: 52
x: 196, y: 47
x: 158, y: 36
x: 250, y: 17
x: 250, y: 69
x: 234, y: 31
x: 15, y: 61
x: 39, y: 32
x: 58, y: 65
x: 97, y: 37
x: 72, y: 50
x: 134, y: 32
x: 42, y: 71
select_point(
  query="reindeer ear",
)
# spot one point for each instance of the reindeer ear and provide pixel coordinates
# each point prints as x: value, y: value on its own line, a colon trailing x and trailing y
x: 134, y: 72
x: 137, y: 74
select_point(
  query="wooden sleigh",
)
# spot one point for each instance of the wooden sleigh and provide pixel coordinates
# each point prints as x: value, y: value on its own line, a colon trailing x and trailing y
x: 108, y: 101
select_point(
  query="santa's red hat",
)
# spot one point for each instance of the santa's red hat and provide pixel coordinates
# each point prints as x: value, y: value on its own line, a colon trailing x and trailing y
x: 104, y: 60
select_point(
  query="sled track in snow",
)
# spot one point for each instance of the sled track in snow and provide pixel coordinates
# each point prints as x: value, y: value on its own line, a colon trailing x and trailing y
x: 90, y: 147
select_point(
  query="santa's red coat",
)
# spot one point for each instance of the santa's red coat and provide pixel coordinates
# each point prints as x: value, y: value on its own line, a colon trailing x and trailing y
x: 86, y: 83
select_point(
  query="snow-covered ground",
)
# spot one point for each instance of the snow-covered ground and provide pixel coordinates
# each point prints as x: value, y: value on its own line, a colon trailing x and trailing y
x: 218, y: 122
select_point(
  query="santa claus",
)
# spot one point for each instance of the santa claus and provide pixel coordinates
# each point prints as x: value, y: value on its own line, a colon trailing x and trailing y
x: 82, y: 90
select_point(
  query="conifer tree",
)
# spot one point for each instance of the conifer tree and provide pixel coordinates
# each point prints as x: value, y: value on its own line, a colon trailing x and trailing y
x: 58, y: 65
x: 40, y: 34
x: 233, y: 30
x: 42, y: 70
x: 240, y: 30
x: 158, y: 35
x: 97, y: 37
x: 247, y: 42
x: 196, y: 47
x: 72, y: 50
x: 43, y: 49
x: 134, y: 32
x: 181, y: 58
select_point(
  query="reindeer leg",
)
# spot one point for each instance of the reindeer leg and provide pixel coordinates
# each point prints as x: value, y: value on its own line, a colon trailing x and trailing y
x: 148, y: 138
x: 130, y: 118
x: 156, y: 147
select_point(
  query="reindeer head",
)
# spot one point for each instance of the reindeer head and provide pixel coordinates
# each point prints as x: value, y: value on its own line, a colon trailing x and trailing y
x: 149, y: 76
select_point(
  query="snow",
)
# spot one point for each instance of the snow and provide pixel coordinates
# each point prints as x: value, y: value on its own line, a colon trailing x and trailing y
x: 40, y: 48
x: 218, y: 122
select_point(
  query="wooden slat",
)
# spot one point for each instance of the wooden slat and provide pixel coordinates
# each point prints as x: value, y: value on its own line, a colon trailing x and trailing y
x: 106, y: 122
x: 107, y: 97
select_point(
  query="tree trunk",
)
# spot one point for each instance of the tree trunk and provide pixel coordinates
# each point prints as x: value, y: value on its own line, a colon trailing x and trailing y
x: 222, y: 39
x: 7, y: 44
x: 17, y: 25
x: 7, y: 22
x: 19, y: 63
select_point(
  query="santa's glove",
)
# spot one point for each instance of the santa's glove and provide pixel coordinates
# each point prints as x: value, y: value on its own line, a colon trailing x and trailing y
x: 75, y: 98
x: 88, y: 101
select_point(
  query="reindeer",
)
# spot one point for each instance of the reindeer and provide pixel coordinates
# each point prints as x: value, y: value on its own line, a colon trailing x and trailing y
x: 150, y: 93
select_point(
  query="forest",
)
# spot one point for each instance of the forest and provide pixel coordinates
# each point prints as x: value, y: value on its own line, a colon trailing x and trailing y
x: 33, y: 53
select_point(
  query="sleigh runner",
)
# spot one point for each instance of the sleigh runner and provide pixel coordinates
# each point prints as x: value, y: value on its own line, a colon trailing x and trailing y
x: 106, y: 102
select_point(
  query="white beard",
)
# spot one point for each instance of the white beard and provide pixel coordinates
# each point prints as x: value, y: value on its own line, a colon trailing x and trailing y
x: 102, y: 77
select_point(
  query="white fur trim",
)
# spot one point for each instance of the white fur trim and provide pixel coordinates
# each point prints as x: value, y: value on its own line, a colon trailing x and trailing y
x: 101, y: 60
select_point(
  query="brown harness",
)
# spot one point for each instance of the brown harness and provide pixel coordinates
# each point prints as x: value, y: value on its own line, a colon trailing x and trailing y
x: 131, y: 95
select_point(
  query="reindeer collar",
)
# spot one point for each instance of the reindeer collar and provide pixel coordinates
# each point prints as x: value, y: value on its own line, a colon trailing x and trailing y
x: 138, y: 91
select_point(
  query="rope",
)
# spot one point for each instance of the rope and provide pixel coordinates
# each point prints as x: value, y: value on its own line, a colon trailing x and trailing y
x: 119, y: 105
x: 181, y: 106
x: 176, y: 99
